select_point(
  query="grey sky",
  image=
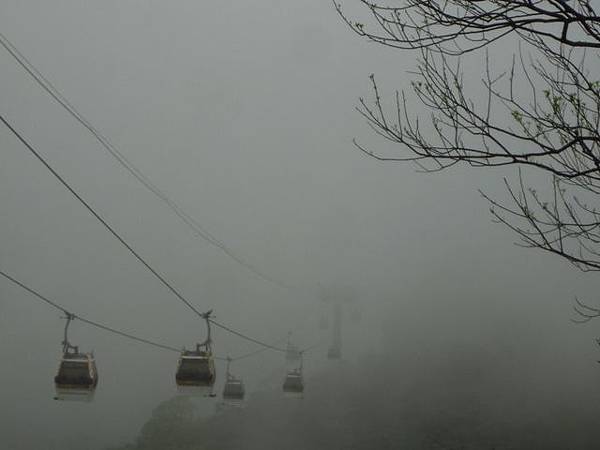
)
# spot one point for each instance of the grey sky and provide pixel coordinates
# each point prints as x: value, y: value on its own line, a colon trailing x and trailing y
x: 243, y: 113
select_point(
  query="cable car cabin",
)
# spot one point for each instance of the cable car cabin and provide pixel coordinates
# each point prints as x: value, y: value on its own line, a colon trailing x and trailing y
x: 293, y: 384
x: 234, y: 389
x: 195, y: 368
x: 77, y: 377
x: 334, y: 352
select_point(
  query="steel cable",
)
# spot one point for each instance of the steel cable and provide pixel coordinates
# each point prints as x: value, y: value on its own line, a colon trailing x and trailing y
x: 85, y: 320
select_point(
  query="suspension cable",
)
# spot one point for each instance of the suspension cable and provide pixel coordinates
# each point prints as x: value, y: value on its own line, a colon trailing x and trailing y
x: 192, y: 223
x: 255, y: 352
x: 31, y: 291
x: 160, y: 277
x: 127, y: 335
x: 72, y: 316
x: 100, y: 219
x: 246, y: 337
x: 133, y: 337
x: 248, y: 355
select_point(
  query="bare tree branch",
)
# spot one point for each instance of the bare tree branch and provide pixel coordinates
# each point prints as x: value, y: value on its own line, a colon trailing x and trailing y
x: 541, y: 112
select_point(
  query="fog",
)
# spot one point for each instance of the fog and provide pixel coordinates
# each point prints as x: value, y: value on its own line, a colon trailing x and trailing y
x: 243, y: 113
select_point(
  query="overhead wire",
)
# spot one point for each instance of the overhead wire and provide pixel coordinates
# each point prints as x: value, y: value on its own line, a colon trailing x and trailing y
x: 125, y: 334
x: 192, y: 223
x: 246, y: 337
x: 263, y: 349
x: 99, y: 218
x: 255, y: 352
x: 248, y: 355
x: 104, y: 327
x: 275, y: 345
x: 85, y: 320
x: 92, y: 211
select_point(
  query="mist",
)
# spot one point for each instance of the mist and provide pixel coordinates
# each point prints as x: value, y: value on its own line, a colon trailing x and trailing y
x: 244, y: 114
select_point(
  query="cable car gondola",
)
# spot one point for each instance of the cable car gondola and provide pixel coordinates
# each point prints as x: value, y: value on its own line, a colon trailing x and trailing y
x: 293, y: 385
x: 77, y: 375
x: 234, y: 387
x: 196, y: 368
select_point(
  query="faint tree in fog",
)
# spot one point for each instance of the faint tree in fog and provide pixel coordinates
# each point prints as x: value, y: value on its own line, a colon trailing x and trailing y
x: 539, y: 109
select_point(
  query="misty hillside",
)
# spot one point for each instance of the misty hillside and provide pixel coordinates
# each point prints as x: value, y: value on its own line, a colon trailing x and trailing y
x: 371, y: 405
